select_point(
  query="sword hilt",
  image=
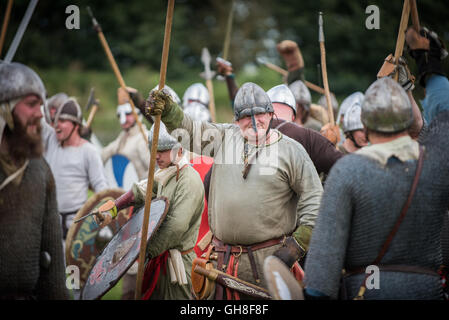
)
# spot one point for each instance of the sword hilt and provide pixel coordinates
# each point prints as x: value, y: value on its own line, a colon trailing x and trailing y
x: 96, y: 213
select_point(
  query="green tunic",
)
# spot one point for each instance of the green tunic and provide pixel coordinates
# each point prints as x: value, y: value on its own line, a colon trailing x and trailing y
x: 180, y: 228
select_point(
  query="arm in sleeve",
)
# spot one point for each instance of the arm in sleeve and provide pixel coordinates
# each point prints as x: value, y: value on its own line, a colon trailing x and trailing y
x: 51, y: 284
x: 305, y: 182
x: 95, y: 171
x: 140, y: 190
x: 327, y: 251
x: 437, y: 97
x: 185, y: 204
x: 322, y: 152
x: 202, y: 137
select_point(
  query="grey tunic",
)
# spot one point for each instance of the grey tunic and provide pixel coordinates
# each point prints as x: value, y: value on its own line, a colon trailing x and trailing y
x: 282, y: 190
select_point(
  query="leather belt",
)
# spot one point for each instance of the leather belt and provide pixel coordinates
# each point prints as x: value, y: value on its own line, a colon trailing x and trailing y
x: 395, y: 268
x: 220, y: 246
x: 224, y: 252
x: 186, y: 252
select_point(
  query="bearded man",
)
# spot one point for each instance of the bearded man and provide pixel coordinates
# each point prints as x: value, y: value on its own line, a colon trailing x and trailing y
x: 32, y: 263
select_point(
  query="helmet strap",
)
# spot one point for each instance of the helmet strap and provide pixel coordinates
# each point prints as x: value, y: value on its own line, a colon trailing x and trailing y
x: 68, y: 137
x: 351, y: 137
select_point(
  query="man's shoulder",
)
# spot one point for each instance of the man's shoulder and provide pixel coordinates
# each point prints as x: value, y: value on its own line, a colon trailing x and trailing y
x: 354, y: 165
x: 289, y: 142
x: 191, y: 174
x: 39, y: 168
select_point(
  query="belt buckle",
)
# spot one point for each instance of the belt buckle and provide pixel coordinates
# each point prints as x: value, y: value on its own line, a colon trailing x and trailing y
x: 239, y: 254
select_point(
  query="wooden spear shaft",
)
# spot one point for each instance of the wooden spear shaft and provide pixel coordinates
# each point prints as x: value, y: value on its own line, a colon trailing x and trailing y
x: 415, y: 17
x: 92, y: 115
x: 401, y: 35
x: 5, y: 24
x: 150, y: 182
x: 284, y: 72
x: 227, y: 40
x: 121, y: 81
x: 117, y: 72
x: 324, y: 70
x: 210, y: 88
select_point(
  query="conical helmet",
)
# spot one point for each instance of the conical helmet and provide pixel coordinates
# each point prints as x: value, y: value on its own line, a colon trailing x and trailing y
x: 282, y: 94
x: 165, y: 141
x: 196, y: 92
x: 55, y: 101
x: 352, y: 120
x: 386, y: 107
x: 322, y: 101
x: 301, y: 93
x: 197, y: 112
x: 349, y: 101
x: 251, y: 100
x: 69, y: 110
x: 17, y: 80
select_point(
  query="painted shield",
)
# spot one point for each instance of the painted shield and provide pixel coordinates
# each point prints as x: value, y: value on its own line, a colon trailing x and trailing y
x: 282, y: 285
x: 122, y: 251
x: 120, y: 172
x: 85, y: 240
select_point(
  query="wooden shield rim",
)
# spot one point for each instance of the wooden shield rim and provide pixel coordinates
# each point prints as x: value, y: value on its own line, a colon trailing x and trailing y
x: 292, y: 284
x: 114, y: 282
x: 86, y: 209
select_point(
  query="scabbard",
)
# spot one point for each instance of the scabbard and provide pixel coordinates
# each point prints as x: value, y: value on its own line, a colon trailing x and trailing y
x: 234, y: 283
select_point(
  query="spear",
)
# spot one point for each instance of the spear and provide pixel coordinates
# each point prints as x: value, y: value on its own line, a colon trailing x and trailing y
x: 157, y: 123
x: 116, y: 70
x: 208, y: 75
x: 284, y: 72
x: 415, y: 17
x: 401, y: 34
x: 20, y: 31
x: 5, y: 24
x: 324, y: 70
x: 227, y: 40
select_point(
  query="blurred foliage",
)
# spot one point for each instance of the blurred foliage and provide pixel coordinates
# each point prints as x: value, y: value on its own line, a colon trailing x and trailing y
x: 74, y: 61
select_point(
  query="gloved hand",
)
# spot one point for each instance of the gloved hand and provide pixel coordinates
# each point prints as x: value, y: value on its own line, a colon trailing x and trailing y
x: 428, y: 50
x: 224, y: 67
x: 389, y: 69
x: 289, y: 50
x: 290, y: 252
x: 159, y: 102
x: 105, y: 213
x: 331, y: 132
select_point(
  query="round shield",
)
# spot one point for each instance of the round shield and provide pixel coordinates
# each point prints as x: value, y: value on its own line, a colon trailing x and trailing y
x: 85, y: 240
x: 122, y: 251
x: 120, y: 172
x: 282, y: 285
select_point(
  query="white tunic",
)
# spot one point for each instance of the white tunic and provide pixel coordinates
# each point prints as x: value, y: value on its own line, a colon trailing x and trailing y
x: 74, y: 169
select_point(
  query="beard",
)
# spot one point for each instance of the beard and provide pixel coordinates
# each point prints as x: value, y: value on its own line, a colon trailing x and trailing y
x: 21, y: 144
